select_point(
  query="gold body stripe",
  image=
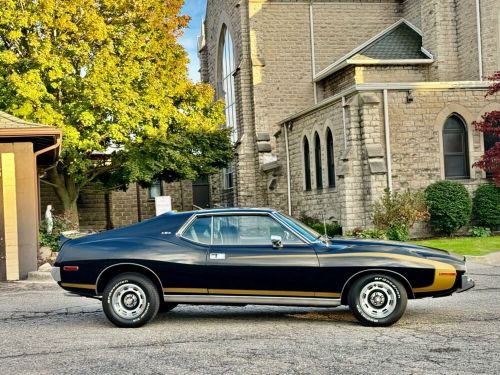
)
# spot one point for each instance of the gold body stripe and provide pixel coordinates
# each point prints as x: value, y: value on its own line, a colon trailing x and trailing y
x: 79, y: 286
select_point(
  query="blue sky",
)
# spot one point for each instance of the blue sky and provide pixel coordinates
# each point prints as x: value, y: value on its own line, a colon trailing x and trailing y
x: 196, y: 10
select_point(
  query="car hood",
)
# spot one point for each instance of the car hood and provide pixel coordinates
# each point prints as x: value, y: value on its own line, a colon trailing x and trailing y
x: 370, y: 245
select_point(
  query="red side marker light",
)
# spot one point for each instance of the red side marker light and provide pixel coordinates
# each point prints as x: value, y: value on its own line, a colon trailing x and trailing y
x: 70, y: 268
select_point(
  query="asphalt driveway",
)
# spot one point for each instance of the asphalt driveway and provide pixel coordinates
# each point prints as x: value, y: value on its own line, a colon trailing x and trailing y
x: 44, y: 332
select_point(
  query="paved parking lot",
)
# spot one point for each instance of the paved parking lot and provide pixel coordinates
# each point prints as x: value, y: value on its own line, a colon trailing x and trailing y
x: 44, y: 332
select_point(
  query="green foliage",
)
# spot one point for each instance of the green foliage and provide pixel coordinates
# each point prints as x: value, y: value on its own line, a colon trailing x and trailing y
x: 486, y: 206
x: 332, y: 229
x: 396, y: 213
x: 480, y: 232
x: 60, y: 224
x: 450, y: 206
x: 398, y: 232
x: 113, y: 77
x: 367, y: 233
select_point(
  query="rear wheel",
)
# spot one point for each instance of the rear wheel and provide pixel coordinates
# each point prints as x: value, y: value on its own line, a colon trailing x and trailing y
x: 377, y: 300
x: 130, y: 300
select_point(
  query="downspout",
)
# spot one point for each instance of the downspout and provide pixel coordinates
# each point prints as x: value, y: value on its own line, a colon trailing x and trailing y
x: 479, y: 46
x: 344, y: 122
x: 46, y: 149
x: 288, y: 182
x: 387, y: 141
x: 313, y: 59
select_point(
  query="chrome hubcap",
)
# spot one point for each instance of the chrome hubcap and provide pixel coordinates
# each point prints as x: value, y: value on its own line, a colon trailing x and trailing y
x: 378, y: 299
x: 128, y: 301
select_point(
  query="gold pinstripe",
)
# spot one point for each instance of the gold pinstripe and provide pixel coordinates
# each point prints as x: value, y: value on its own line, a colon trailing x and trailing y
x: 79, y: 286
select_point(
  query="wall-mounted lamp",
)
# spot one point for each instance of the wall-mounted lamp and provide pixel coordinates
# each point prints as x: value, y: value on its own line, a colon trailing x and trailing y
x: 409, y: 97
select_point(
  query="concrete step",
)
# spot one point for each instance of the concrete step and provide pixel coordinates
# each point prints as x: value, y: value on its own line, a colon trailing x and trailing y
x: 39, y: 276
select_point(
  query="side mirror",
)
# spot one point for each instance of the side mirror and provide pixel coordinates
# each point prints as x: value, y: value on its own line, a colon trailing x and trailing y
x: 277, y: 242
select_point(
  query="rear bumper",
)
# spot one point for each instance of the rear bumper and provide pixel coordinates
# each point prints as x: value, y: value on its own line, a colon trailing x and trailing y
x: 467, y: 283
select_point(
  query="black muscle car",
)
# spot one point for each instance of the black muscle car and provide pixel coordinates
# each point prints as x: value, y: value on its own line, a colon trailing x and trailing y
x: 250, y: 256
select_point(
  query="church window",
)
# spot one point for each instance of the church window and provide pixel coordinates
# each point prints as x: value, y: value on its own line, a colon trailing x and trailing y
x: 456, y: 161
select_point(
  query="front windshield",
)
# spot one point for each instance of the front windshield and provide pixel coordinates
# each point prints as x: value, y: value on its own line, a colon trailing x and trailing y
x: 309, y: 234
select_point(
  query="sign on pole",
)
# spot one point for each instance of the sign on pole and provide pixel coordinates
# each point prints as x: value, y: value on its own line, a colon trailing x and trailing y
x: 163, y: 204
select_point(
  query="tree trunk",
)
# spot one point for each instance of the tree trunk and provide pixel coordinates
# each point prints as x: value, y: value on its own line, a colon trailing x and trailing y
x: 67, y: 191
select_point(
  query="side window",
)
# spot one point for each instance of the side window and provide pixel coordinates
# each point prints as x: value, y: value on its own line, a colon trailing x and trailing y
x: 250, y: 230
x: 200, y: 230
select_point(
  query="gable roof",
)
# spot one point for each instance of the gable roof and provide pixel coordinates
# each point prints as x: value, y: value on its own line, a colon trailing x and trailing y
x: 400, y: 43
x: 10, y: 122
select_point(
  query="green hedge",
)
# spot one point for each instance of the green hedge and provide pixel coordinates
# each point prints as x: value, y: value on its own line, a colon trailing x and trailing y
x: 450, y: 206
x: 486, y: 206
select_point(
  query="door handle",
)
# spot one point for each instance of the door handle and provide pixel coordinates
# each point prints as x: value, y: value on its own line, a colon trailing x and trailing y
x: 217, y: 256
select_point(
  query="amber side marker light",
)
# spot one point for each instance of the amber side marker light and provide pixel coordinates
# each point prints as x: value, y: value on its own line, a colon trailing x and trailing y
x: 70, y: 268
x: 447, y: 273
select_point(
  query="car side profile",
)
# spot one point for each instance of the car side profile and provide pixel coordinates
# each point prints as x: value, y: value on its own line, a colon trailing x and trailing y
x: 250, y: 256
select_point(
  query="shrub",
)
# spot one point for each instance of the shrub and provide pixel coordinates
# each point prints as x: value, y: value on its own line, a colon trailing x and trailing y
x: 486, y: 206
x: 450, y: 206
x: 480, y: 232
x: 332, y: 229
x: 367, y: 233
x: 396, y: 213
x: 60, y: 224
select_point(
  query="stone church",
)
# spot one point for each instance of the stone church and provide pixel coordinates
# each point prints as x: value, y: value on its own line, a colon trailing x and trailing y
x: 333, y: 101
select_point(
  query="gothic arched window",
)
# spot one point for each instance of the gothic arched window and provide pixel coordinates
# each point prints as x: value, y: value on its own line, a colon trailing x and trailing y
x: 307, y: 164
x: 330, y: 158
x: 455, y: 150
x: 317, y: 160
x: 227, y: 68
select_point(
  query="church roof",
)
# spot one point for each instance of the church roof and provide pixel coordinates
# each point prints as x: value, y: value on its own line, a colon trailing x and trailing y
x: 400, y: 43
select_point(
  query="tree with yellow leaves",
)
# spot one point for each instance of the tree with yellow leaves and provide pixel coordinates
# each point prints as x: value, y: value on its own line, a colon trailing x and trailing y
x: 112, y: 75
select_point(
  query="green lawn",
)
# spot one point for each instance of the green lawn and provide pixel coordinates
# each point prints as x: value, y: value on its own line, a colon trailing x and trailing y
x: 464, y: 245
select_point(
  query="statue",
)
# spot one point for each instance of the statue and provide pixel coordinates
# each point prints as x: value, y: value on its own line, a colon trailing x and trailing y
x: 48, y: 219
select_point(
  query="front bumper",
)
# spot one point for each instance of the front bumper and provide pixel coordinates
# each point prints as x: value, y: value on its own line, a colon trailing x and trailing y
x: 467, y: 283
x: 56, y: 273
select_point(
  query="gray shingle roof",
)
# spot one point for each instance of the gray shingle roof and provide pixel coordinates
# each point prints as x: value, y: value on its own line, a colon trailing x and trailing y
x: 402, y: 42
x: 10, y: 122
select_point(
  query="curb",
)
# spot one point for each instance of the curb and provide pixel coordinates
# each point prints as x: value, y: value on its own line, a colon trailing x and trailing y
x: 492, y: 259
x: 40, y: 277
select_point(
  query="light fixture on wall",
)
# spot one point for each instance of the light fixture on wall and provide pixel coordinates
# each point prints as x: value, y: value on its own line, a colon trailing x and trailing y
x: 289, y: 125
x: 409, y: 97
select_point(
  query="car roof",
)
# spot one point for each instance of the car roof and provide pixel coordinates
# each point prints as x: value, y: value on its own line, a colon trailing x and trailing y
x: 228, y: 210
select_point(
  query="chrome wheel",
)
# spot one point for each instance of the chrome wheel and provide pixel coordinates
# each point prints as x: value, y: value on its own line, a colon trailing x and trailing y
x: 377, y: 299
x: 128, y: 301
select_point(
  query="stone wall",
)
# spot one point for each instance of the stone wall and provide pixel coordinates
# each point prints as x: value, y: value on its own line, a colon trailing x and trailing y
x: 361, y: 173
x: 123, y: 205
x: 337, y: 82
x: 392, y: 73
x: 416, y: 131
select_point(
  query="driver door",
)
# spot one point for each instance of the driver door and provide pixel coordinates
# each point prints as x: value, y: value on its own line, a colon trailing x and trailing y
x: 243, y: 261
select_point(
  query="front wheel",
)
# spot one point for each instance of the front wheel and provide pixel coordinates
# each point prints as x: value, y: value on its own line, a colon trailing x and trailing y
x: 130, y: 300
x: 377, y: 300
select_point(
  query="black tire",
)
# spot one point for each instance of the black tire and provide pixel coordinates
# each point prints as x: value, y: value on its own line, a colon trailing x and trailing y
x: 130, y: 300
x: 377, y: 300
x: 165, y: 307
